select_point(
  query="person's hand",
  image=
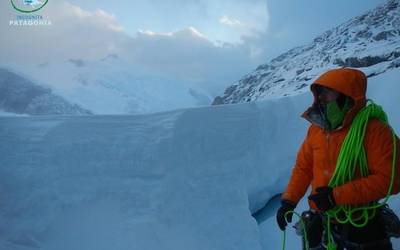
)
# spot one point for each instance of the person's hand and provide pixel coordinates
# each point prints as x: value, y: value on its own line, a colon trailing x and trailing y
x: 280, y: 215
x: 323, y: 198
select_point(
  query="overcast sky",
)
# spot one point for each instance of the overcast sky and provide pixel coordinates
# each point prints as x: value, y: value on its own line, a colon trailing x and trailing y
x: 207, y: 42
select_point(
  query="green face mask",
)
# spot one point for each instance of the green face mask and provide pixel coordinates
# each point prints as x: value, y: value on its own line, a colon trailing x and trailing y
x: 335, y: 115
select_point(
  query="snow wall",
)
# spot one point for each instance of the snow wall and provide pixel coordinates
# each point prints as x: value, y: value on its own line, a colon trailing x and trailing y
x: 184, y: 179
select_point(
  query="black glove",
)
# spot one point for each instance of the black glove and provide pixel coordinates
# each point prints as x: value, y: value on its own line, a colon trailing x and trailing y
x: 323, y: 198
x: 280, y: 215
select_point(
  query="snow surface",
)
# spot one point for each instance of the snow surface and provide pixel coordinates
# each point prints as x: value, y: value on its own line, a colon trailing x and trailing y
x: 183, y: 179
x: 3, y: 113
x: 112, y: 86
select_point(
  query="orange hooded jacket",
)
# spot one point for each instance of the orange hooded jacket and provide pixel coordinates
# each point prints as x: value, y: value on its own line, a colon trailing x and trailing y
x: 316, y: 159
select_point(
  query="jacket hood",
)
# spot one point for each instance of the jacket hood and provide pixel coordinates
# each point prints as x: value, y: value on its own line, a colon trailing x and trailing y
x: 350, y: 82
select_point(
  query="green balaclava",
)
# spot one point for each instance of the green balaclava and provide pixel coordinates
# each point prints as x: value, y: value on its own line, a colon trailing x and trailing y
x: 335, y: 114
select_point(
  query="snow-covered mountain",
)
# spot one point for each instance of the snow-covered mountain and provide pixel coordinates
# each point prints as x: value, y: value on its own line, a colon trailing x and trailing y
x: 177, y: 180
x: 370, y: 42
x: 19, y: 95
x: 114, y: 86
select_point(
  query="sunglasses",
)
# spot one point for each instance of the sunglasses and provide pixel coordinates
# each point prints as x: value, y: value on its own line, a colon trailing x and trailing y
x: 324, y: 90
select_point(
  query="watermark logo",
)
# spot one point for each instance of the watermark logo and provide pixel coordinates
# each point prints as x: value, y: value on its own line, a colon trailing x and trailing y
x: 28, y: 6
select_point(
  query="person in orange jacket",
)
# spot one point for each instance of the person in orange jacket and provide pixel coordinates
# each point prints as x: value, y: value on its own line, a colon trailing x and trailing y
x: 339, y: 94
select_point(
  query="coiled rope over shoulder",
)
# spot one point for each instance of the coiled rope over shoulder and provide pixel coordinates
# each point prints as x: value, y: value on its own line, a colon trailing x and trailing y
x: 353, y: 155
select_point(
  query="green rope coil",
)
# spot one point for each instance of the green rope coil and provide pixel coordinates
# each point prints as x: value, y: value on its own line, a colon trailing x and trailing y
x: 353, y: 155
x: 303, y: 227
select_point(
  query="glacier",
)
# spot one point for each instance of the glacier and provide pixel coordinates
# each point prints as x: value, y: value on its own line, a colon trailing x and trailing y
x: 108, y: 86
x: 183, y: 179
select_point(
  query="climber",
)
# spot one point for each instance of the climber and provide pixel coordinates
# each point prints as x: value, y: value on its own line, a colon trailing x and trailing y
x: 339, y: 95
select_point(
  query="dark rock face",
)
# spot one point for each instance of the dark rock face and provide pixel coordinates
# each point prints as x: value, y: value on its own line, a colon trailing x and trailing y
x: 20, y: 95
x: 367, y: 61
x: 364, y: 41
x: 217, y: 101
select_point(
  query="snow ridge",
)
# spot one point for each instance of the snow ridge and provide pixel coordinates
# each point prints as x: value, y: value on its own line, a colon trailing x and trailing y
x: 370, y: 41
x: 19, y: 95
x: 112, y: 85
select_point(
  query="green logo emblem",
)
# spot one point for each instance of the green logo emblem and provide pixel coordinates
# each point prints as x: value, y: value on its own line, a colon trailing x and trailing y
x: 28, y: 6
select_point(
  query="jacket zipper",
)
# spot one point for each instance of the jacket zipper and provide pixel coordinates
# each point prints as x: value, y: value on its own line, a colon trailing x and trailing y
x: 328, y: 140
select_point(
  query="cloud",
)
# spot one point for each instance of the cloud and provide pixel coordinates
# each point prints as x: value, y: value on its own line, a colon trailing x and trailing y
x: 98, y: 17
x: 190, y: 56
x: 217, y: 20
x: 254, y: 21
x: 189, y: 32
x: 74, y: 33
x: 186, y: 54
x: 230, y: 21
